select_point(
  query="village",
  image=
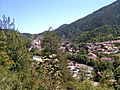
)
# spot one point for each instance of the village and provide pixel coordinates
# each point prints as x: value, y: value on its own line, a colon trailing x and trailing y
x: 95, y: 51
x: 99, y: 51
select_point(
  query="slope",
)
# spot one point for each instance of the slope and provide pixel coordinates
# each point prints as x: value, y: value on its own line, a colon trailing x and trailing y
x: 108, y: 16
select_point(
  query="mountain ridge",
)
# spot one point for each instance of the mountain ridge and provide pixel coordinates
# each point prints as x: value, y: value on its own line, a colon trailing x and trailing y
x: 108, y: 15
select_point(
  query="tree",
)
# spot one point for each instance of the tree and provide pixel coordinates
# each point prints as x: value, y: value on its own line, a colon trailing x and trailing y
x: 117, y: 78
x: 50, y: 42
x: 16, y: 49
x: 15, y: 61
x: 55, y: 69
x: 6, y: 23
x: 4, y: 58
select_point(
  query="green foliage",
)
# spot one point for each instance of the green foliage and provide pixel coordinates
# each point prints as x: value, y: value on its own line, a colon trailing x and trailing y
x: 101, y: 25
x: 52, y: 72
x: 103, y: 70
x: 6, y: 23
x: 19, y: 72
x: 116, y: 63
x: 4, y: 58
x: 14, y: 60
x: 16, y: 49
x: 50, y: 42
x: 117, y: 73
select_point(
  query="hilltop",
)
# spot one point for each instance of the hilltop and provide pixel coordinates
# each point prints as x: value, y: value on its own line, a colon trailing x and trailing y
x: 101, y: 24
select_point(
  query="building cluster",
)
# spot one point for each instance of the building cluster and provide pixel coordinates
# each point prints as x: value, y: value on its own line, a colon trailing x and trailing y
x: 36, y: 44
x: 102, y: 48
x: 67, y: 47
x: 80, y: 69
x: 94, y: 50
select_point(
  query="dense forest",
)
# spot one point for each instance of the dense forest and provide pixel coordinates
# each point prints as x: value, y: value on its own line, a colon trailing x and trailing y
x: 101, y: 24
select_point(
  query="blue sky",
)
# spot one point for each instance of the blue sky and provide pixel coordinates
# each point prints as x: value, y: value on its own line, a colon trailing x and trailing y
x: 36, y: 16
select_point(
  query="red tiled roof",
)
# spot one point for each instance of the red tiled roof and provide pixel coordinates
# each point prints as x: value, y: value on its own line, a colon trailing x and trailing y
x: 106, y: 59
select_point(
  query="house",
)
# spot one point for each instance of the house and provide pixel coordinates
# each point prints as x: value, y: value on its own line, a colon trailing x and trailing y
x: 75, y: 72
x: 75, y: 68
x: 100, y: 49
x: 92, y: 55
x: 106, y: 59
x: 37, y: 58
x: 87, y: 70
x: 95, y: 83
x: 72, y: 67
x: 105, y: 52
x: 36, y: 44
x: 114, y: 50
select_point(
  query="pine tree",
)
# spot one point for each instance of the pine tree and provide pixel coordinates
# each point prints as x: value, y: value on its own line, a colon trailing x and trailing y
x: 4, y: 58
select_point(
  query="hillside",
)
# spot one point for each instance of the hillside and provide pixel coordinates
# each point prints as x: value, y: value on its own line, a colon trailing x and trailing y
x: 104, y: 22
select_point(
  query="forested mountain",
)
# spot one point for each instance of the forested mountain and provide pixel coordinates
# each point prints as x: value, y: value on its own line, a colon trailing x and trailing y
x: 105, y: 21
x: 101, y: 25
x: 42, y: 62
